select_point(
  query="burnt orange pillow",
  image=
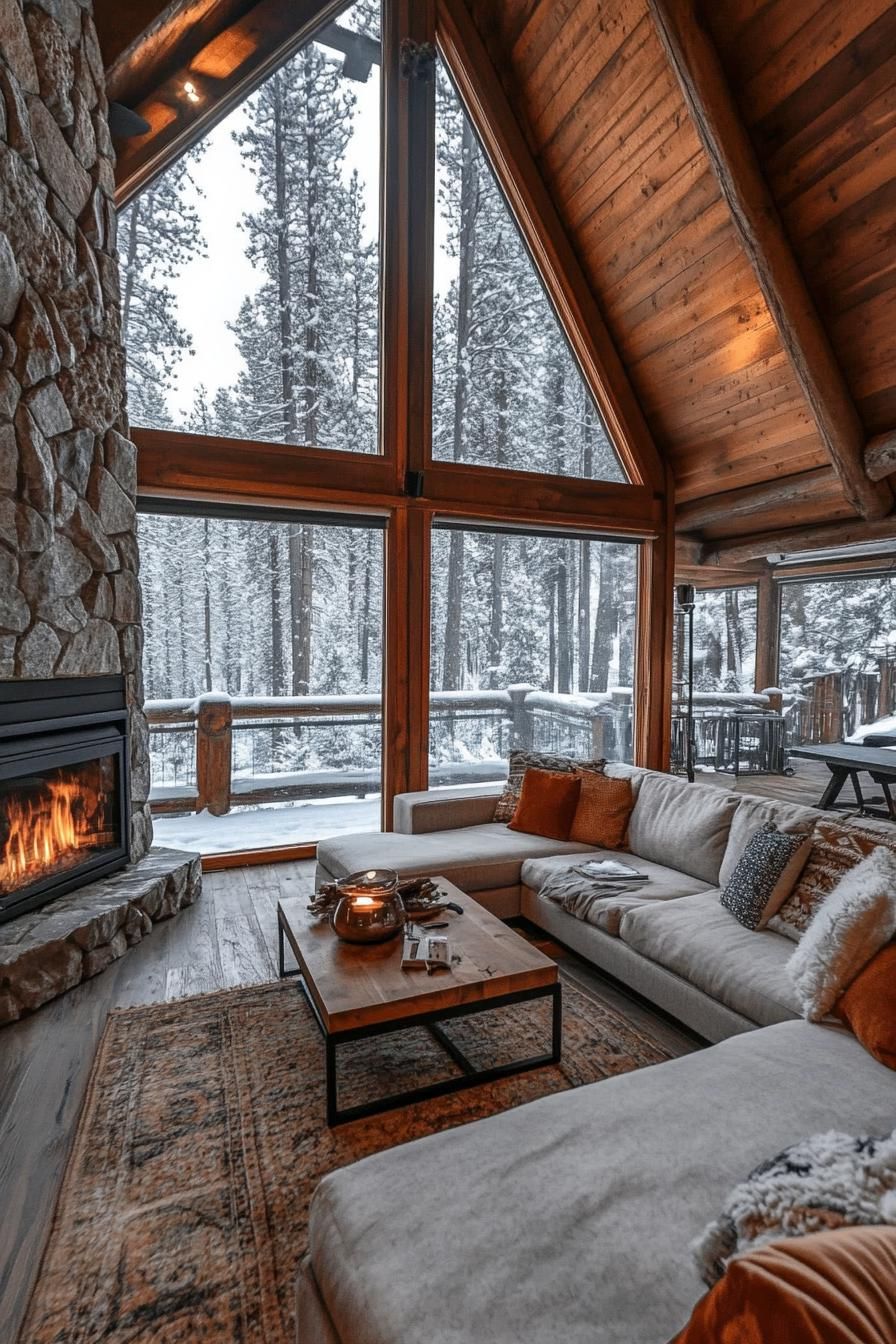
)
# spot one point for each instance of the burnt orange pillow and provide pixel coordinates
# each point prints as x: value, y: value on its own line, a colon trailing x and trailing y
x: 825, y: 1288
x: 604, y: 808
x: 547, y: 805
x: 869, y: 1006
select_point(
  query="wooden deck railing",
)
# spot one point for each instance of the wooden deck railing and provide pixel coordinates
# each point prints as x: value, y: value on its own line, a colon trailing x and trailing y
x: 523, y: 717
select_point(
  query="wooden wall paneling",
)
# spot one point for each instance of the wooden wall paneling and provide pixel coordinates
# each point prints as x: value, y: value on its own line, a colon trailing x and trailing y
x: 734, y: 163
x: 768, y: 631
x: 535, y: 212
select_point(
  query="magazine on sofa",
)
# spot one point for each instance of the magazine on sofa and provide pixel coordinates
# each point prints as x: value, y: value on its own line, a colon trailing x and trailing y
x: 611, y: 870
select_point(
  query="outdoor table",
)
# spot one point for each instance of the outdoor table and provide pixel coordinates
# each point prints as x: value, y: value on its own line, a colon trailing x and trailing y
x: 846, y: 762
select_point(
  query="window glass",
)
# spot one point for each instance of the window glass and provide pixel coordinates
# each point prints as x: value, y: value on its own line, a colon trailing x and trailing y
x: 507, y: 391
x: 724, y: 641
x: 838, y: 656
x: 266, y: 636
x: 250, y: 268
x: 533, y: 647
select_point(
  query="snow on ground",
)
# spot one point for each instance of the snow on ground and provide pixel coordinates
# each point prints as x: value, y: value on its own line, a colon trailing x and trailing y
x: 887, y: 725
x: 270, y: 827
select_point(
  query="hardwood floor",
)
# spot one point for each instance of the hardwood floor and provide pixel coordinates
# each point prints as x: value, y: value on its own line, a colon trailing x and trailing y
x: 228, y: 938
x: 806, y: 785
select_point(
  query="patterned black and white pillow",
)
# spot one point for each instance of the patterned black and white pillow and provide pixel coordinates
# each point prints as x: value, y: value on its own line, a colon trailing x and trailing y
x: 521, y: 761
x: 765, y: 876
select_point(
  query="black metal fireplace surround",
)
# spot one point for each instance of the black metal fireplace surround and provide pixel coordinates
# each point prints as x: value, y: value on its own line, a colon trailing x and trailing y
x: 64, y: 796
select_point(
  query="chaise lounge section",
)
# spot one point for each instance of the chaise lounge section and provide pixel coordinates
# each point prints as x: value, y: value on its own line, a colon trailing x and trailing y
x: 570, y: 1217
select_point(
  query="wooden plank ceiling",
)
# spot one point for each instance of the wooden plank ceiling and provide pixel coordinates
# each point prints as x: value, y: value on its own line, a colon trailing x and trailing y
x: 597, y: 98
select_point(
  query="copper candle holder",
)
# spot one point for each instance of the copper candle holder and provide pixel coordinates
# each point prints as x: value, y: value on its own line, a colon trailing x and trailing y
x: 370, y: 909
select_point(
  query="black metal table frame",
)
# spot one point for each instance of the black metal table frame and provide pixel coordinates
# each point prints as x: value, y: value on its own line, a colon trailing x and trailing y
x: 849, y: 769
x: 470, y: 1076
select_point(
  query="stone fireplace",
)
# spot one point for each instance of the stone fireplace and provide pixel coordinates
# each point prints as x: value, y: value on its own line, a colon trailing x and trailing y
x: 64, y: 813
x: 69, y: 594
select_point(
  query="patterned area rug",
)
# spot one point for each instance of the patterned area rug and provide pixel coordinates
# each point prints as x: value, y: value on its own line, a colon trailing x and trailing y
x: 183, y: 1212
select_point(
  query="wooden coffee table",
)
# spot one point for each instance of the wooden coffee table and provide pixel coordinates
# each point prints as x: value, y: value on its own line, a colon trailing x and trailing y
x: 357, y: 992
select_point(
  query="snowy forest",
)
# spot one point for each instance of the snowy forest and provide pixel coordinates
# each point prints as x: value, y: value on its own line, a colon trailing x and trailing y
x: 259, y: 608
x: 724, y: 640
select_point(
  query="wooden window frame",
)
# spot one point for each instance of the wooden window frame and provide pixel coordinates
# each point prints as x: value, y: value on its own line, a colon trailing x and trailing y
x: 402, y: 481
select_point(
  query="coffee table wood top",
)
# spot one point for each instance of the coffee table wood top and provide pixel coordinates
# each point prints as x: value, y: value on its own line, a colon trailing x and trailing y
x: 360, y: 986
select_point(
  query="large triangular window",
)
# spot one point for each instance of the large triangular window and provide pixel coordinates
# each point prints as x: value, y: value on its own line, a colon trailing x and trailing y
x: 507, y: 391
x: 250, y: 267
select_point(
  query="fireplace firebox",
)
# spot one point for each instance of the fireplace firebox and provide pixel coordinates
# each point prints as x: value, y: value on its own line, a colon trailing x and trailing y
x: 64, y: 796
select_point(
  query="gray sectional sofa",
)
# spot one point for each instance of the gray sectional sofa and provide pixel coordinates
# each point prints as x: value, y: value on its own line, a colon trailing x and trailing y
x: 569, y: 1218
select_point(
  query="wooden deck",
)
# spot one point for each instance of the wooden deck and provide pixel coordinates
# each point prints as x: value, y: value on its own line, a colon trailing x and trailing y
x: 227, y: 939
x: 805, y: 786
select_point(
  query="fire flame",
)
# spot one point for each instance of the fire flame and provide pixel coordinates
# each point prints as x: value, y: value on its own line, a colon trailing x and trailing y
x: 43, y: 831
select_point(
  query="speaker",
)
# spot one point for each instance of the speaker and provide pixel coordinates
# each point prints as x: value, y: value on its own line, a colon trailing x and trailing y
x: 413, y: 484
x: 685, y: 596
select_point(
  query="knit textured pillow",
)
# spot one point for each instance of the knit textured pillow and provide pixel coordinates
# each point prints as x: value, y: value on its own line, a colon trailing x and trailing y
x: 521, y: 761
x: 765, y: 875
x: 835, y: 850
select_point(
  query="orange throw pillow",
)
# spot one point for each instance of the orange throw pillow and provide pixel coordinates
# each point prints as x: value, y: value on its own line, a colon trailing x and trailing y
x: 601, y: 818
x: 869, y: 1006
x: 547, y: 804
x: 824, y: 1288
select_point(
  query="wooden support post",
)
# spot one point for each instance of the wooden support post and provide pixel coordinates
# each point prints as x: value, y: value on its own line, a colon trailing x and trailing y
x: 717, y: 121
x: 598, y: 737
x: 214, y: 753
x: 884, y: 687
x: 652, y: 691
x: 768, y: 622
x: 521, y: 725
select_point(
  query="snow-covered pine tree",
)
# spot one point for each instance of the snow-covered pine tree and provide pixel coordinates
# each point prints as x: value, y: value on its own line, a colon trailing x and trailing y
x: 158, y: 234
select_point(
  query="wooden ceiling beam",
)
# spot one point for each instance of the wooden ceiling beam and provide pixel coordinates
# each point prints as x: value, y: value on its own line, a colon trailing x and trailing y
x: 555, y: 258
x: 144, y: 43
x: 880, y: 456
x: 696, y: 63
x: 729, y: 504
x: 819, y: 537
x: 223, y: 61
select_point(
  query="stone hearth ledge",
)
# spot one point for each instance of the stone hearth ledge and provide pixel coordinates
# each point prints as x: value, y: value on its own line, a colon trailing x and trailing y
x: 45, y: 952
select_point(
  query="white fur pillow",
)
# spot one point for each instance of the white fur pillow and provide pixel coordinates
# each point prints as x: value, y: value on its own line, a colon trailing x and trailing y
x: 853, y: 924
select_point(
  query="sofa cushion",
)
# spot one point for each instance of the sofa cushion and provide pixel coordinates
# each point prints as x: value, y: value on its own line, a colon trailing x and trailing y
x: 547, y: 803
x: 750, y: 816
x: 699, y: 940
x: 569, y: 1219
x: 825, y: 1288
x: 836, y: 849
x: 665, y: 884
x: 682, y: 825
x: 476, y: 858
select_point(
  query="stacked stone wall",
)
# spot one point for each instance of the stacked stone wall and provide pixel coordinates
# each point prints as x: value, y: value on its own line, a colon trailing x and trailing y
x: 69, y: 592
